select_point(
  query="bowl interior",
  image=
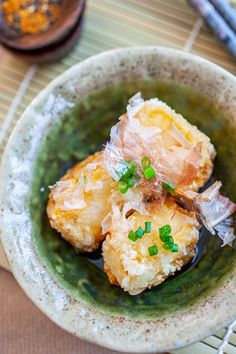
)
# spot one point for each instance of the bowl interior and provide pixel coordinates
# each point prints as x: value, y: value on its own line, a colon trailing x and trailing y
x: 81, y: 131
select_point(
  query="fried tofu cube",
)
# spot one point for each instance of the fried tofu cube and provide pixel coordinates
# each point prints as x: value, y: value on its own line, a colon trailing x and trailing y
x: 179, y: 136
x: 79, y: 202
x: 129, y: 264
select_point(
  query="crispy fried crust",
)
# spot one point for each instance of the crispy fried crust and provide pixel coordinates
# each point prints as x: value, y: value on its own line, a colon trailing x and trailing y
x: 157, y: 114
x: 111, y: 277
x: 82, y: 227
x: 130, y: 264
x: 127, y: 263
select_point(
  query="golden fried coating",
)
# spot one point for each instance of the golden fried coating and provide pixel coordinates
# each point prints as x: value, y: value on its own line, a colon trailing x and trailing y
x: 129, y: 264
x: 79, y: 202
x: 178, y: 136
x: 87, y: 204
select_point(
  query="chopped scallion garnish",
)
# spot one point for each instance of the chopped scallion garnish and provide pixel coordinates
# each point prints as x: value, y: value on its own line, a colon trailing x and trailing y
x: 168, y: 187
x: 140, y: 232
x: 167, y: 246
x: 169, y: 239
x: 127, y: 174
x: 165, y: 231
x: 132, y: 236
x: 145, y: 162
x: 148, y: 227
x: 149, y: 173
x: 174, y: 248
x: 153, y: 250
x: 123, y: 187
x: 130, y: 182
x: 147, y: 168
x: 164, y: 238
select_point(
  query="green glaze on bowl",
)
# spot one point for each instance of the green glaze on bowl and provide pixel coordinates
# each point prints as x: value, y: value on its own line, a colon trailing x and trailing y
x: 77, y: 135
x: 70, y: 120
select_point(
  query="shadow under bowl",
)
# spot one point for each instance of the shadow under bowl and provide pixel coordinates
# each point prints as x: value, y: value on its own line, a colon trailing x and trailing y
x: 68, y: 121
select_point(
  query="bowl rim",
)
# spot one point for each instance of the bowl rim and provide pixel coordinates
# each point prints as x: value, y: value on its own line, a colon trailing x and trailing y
x: 36, y: 280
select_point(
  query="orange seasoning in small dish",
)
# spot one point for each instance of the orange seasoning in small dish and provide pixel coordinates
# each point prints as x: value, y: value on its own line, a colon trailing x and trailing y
x: 31, y: 16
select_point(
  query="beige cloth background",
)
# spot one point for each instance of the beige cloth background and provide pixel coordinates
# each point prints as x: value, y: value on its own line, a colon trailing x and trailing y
x: 25, y: 330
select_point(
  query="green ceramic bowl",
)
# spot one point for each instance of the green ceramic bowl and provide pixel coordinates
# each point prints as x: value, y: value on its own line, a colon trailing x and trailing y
x: 69, y: 120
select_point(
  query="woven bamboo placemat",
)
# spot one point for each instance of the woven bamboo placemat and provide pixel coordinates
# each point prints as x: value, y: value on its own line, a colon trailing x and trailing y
x: 110, y: 24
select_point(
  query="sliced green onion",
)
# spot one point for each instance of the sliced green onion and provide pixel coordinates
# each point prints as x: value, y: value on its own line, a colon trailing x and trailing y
x: 168, y: 187
x: 148, y: 227
x: 167, y: 246
x: 164, y: 238
x: 132, y: 236
x: 165, y: 231
x: 132, y: 168
x: 140, y: 232
x: 130, y: 182
x: 170, y: 240
x: 145, y: 162
x: 167, y: 239
x: 130, y: 171
x: 153, y: 250
x: 147, y: 168
x: 149, y: 173
x: 123, y: 187
x: 127, y: 174
x: 174, y: 248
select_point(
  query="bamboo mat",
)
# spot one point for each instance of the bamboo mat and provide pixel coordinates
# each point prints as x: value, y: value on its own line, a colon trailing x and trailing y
x: 110, y: 24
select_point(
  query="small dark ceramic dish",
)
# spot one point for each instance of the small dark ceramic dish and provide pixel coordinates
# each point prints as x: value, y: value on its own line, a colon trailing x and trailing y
x: 55, y: 51
x: 70, y: 119
x: 59, y: 30
x: 52, y: 44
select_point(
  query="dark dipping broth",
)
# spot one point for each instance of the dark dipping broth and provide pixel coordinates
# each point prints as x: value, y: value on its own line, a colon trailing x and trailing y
x: 82, y: 131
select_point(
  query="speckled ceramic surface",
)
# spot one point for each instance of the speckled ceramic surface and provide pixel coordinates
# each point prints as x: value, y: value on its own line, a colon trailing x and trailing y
x: 70, y: 119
